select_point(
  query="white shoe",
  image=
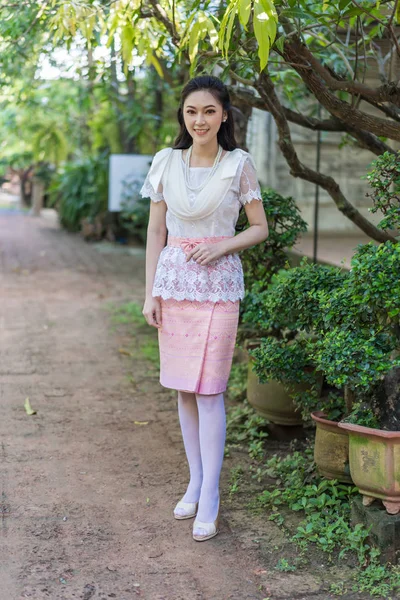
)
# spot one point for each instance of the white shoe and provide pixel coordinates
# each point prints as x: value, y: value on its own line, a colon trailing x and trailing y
x: 185, y: 510
x: 210, y: 529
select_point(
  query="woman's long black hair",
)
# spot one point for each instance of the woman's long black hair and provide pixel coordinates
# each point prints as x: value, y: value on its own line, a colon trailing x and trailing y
x: 226, y: 133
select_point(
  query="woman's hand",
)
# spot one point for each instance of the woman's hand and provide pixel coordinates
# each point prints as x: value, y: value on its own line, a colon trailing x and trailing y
x: 152, y: 312
x: 205, y: 253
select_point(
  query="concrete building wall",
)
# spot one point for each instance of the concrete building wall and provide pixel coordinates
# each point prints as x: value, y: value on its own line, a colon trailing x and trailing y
x: 346, y: 164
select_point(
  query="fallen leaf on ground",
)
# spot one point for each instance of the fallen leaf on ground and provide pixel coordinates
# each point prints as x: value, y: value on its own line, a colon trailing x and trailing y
x: 28, y: 407
x: 141, y: 422
x: 123, y: 351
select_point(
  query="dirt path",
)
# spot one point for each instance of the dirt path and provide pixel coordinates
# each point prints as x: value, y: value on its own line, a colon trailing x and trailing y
x: 87, y: 495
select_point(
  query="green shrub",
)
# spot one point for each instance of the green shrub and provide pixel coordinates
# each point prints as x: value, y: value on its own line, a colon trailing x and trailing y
x: 135, y: 210
x: 344, y: 324
x: 80, y: 190
x: 285, y: 225
x: 384, y: 178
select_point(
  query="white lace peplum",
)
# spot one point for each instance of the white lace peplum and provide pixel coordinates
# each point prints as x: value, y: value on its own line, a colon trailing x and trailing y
x: 222, y: 280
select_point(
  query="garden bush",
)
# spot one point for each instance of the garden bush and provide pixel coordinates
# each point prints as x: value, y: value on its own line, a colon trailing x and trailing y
x: 344, y: 324
x: 80, y: 191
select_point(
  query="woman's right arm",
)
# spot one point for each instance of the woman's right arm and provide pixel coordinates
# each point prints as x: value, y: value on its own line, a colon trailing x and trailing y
x: 156, y: 238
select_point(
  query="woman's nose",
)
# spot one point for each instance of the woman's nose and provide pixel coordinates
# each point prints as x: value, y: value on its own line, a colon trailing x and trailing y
x: 199, y: 118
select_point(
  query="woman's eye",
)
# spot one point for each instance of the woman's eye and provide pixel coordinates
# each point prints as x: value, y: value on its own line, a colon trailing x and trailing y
x: 211, y: 112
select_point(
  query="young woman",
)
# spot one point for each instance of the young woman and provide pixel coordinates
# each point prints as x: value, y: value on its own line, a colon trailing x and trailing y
x: 195, y: 282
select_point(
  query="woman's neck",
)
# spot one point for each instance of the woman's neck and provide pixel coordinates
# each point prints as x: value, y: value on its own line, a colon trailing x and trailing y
x: 204, y: 154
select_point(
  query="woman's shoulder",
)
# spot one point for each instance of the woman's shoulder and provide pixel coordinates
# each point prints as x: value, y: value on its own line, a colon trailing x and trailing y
x: 234, y: 162
x: 163, y: 153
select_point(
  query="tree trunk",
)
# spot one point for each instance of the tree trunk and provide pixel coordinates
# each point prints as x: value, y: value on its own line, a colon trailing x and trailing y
x: 158, y: 106
x: 241, y: 115
x: 115, y: 96
x: 25, y: 187
x: 130, y: 143
x: 37, y: 197
x: 385, y: 401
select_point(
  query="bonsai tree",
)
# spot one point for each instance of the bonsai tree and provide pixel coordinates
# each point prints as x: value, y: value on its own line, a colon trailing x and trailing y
x: 291, y: 315
x: 348, y: 320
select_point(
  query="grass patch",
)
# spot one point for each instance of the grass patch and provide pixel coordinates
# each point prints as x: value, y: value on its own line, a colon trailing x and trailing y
x: 145, y: 341
x: 325, y: 508
x: 128, y: 313
x: 149, y: 349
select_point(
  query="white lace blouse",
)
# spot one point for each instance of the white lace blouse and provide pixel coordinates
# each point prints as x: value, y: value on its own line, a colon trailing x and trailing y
x: 221, y: 280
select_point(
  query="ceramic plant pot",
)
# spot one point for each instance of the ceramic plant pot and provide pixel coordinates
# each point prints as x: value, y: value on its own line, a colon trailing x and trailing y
x: 271, y: 400
x: 375, y: 464
x: 331, y: 449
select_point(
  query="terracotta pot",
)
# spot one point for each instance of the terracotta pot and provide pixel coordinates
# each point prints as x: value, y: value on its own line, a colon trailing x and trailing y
x: 271, y: 400
x: 331, y: 449
x: 375, y: 464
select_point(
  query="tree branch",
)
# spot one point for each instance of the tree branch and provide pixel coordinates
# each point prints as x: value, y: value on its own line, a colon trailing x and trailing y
x: 162, y: 16
x: 389, y: 92
x: 314, y: 80
x: 266, y: 89
x: 364, y: 138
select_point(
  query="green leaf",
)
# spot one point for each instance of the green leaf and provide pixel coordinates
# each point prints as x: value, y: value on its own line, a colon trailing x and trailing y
x: 213, y: 34
x: 244, y: 11
x: 264, y: 28
x: 229, y: 31
x: 156, y: 64
x: 194, y: 41
x: 279, y: 43
x: 127, y: 37
x: 29, y: 410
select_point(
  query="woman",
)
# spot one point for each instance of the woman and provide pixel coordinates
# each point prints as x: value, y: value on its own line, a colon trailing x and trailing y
x: 195, y: 282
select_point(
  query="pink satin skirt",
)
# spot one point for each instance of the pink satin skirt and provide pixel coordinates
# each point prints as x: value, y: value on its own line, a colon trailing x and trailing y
x: 197, y: 340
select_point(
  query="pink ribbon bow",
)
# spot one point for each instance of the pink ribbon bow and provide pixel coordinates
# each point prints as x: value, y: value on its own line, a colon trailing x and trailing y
x: 189, y: 245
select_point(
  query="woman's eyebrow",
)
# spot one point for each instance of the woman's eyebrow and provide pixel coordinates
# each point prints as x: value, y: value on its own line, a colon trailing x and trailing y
x: 208, y: 106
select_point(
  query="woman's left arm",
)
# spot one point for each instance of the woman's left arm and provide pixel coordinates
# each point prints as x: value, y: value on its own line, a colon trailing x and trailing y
x: 255, y: 234
x: 205, y: 253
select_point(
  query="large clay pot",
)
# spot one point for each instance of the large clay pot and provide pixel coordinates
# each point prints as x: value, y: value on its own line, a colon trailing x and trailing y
x: 271, y: 400
x: 375, y: 464
x: 331, y: 449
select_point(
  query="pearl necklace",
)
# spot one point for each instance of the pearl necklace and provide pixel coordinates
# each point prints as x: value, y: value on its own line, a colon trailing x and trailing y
x: 209, y: 176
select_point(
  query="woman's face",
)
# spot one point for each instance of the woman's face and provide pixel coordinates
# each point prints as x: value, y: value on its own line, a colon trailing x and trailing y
x: 203, y: 115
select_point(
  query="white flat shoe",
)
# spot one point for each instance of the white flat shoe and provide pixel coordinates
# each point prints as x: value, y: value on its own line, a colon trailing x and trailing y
x: 186, y: 510
x: 210, y: 530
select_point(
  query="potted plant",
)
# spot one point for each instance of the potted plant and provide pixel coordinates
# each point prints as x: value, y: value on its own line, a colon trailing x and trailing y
x: 368, y: 333
x: 353, y: 320
x: 294, y: 306
x: 260, y: 264
x: 362, y: 352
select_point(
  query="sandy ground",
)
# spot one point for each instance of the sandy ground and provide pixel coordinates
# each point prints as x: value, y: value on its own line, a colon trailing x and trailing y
x: 86, y: 495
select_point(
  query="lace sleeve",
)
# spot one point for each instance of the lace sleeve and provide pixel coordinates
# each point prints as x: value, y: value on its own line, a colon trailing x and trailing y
x: 249, y: 188
x: 147, y: 191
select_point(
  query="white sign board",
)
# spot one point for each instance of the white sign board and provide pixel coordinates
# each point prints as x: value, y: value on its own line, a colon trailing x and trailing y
x: 126, y: 170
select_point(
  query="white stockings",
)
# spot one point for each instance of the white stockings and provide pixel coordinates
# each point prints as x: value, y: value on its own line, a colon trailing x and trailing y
x: 203, y: 424
x: 189, y: 420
